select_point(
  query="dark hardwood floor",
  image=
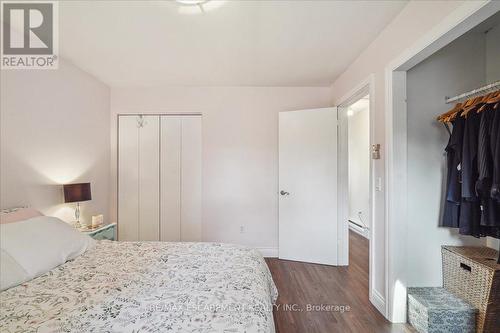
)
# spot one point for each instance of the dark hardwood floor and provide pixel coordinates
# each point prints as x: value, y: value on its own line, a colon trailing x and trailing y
x: 302, y: 284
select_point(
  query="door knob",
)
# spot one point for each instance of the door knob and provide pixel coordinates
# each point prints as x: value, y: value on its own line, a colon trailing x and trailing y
x: 284, y: 193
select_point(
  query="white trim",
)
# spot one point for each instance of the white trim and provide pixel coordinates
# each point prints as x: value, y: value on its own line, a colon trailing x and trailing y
x: 268, y: 252
x: 464, y: 18
x: 342, y: 186
x: 395, y: 228
x: 358, y: 91
x: 378, y: 301
x: 366, y: 85
x: 359, y: 230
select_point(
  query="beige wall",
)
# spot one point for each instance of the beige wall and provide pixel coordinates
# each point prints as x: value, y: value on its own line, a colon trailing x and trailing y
x: 414, y: 21
x: 240, y: 151
x: 54, y: 130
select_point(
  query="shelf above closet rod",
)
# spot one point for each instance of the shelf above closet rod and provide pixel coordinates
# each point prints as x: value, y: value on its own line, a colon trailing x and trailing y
x: 476, y: 92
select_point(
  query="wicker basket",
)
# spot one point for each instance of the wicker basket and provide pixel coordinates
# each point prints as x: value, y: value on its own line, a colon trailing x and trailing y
x: 473, y: 274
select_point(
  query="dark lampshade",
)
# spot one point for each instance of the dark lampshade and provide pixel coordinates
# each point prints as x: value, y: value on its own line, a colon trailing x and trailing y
x: 77, y: 192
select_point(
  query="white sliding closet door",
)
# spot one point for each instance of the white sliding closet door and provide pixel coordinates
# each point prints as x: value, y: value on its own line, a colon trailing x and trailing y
x: 191, y: 179
x: 170, y: 179
x: 149, y: 175
x: 159, y: 171
x: 128, y: 179
x: 180, y: 178
x: 138, y: 178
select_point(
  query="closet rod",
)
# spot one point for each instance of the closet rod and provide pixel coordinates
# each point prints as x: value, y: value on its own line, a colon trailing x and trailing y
x: 487, y: 88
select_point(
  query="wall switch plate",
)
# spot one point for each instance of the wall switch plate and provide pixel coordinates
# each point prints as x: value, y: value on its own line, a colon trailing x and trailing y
x: 242, y: 229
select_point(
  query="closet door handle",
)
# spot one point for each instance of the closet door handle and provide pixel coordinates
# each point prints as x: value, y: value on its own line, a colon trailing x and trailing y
x: 284, y: 193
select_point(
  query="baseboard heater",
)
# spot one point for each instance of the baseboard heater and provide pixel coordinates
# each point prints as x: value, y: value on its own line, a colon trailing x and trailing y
x: 357, y: 224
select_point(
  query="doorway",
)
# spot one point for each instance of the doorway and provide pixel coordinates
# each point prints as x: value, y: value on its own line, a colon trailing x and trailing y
x: 358, y: 142
x: 356, y: 183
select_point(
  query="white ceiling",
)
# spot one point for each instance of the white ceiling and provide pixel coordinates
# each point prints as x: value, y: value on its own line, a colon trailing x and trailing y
x: 231, y: 43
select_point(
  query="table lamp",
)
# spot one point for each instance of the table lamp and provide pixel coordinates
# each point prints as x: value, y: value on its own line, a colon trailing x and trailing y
x: 77, y: 193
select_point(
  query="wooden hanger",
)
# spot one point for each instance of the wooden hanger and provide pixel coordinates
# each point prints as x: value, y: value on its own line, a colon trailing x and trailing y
x: 458, y: 109
x: 448, y: 116
x: 470, y: 105
x: 485, y: 100
x: 494, y: 99
x: 477, y: 103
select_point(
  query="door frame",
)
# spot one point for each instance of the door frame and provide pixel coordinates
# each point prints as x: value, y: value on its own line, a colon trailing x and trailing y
x: 463, y: 19
x: 367, y: 86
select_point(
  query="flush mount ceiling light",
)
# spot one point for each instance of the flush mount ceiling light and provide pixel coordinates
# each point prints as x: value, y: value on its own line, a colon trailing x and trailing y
x: 198, y: 6
x: 192, y: 2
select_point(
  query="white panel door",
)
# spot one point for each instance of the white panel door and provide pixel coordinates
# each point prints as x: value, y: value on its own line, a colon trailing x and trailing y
x: 170, y: 179
x: 191, y: 179
x: 149, y: 179
x: 128, y: 178
x: 308, y: 186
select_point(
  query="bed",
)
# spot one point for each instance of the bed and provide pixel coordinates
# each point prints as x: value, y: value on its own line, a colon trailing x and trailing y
x: 147, y: 287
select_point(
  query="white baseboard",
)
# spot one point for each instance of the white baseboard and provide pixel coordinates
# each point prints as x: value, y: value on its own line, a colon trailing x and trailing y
x: 357, y: 229
x: 378, y: 301
x: 269, y: 252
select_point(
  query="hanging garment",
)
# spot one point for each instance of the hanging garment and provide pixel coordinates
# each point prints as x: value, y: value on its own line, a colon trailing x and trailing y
x: 470, y: 206
x: 470, y: 172
x: 495, y: 144
x: 490, y: 208
x: 453, y: 183
x: 472, y: 196
x: 491, y: 211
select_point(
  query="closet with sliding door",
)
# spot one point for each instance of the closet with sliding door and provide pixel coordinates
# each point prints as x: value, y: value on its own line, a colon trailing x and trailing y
x: 159, y: 178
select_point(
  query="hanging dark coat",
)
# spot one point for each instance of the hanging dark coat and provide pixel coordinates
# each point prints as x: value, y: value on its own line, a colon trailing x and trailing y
x: 470, y: 205
x: 453, y: 196
x: 489, y: 171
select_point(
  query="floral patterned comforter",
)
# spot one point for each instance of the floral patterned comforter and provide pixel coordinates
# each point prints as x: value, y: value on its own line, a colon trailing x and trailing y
x: 147, y: 287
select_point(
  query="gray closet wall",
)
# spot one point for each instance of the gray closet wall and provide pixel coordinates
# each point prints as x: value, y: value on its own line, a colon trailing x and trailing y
x: 460, y: 66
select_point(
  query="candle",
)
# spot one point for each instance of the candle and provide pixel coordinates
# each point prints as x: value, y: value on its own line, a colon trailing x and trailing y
x: 97, y: 220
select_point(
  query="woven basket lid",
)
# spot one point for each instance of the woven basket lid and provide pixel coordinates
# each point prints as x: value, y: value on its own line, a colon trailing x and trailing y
x: 483, y: 255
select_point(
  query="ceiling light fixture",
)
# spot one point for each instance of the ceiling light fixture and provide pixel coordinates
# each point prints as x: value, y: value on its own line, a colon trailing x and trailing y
x: 192, y: 2
x: 198, y: 6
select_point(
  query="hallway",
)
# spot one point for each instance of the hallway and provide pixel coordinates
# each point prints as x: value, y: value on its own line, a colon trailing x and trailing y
x: 344, y: 289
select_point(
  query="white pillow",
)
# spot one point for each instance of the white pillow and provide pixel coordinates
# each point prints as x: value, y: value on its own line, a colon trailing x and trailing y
x: 11, y: 274
x: 38, y: 245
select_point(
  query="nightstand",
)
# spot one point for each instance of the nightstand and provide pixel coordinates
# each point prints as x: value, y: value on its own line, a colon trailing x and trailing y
x: 107, y: 231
